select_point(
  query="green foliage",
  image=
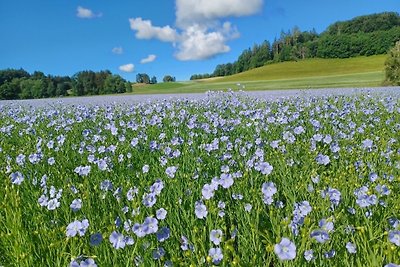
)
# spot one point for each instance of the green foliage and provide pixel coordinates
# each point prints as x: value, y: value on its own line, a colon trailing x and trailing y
x: 392, y: 65
x: 8, y: 74
x: 19, y: 84
x: 365, y: 24
x: 168, y: 78
x: 142, y: 78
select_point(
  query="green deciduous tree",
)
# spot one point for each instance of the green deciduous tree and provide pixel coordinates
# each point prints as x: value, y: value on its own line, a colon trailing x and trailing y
x: 392, y: 65
x: 168, y: 78
x: 142, y: 78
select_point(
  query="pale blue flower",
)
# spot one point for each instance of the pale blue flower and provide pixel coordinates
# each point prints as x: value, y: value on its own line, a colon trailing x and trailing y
x: 145, y: 168
x: 117, y: 240
x: 394, y: 237
x: 326, y: 225
x: 320, y: 235
x: 150, y: 225
x: 351, y: 248
x: 207, y: 191
x: 216, y: 236
x: 248, y: 207
x: 74, y: 263
x: 88, y: 263
x: 161, y: 214
x: 73, y: 228
x: 216, y: 255
x: 77, y: 227
x: 226, y: 180
x: 268, y: 189
x: 285, y: 250
x: 16, y: 178
x: 170, y: 171
x: 200, y: 210
x: 308, y: 255
x: 264, y: 167
x: 149, y: 199
x: 53, y: 204
x: 82, y: 170
x: 322, y: 159
x: 76, y: 204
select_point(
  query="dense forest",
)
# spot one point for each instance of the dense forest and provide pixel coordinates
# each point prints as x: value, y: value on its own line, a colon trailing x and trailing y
x: 362, y: 36
x: 19, y: 84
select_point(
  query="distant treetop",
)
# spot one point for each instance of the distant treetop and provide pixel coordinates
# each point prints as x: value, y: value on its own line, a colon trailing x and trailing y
x: 365, y: 24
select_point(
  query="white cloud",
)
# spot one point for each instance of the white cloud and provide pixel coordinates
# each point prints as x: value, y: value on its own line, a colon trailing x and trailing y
x: 118, y: 50
x: 127, y: 68
x: 201, y: 11
x: 200, y: 33
x: 148, y: 59
x: 85, y: 13
x: 145, y: 30
x: 197, y: 44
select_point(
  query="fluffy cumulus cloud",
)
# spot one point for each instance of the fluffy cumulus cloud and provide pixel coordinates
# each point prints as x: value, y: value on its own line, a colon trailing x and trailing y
x: 195, y: 11
x: 127, y: 68
x: 86, y: 13
x: 200, y: 33
x: 197, y: 43
x: 118, y: 50
x: 145, y: 30
x: 148, y: 59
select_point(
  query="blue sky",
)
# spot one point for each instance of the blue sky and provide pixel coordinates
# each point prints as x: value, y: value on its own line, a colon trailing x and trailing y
x: 158, y: 37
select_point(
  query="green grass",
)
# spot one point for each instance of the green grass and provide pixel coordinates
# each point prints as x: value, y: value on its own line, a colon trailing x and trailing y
x: 312, y: 73
x: 311, y: 68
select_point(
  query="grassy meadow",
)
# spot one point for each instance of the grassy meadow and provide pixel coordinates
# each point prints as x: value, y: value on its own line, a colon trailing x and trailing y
x: 311, y: 73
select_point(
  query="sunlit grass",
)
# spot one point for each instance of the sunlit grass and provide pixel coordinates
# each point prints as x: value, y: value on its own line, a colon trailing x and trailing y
x: 311, y: 73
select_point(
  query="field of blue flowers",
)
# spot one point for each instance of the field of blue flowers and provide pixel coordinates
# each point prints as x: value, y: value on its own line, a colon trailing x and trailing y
x: 228, y: 180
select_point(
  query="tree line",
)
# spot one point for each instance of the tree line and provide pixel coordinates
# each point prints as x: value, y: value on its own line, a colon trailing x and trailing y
x: 19, y: 84
x: 362, y: 36
x: 145, y: 78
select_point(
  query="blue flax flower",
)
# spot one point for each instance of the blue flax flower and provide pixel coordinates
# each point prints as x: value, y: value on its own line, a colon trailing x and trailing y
x: 216, y: 255
x: 88, y: 263
x: 285, y: 250
x: 351, y: 247
x: 163, y: 234
x: 394, y: 237
x: 309, y: 255
x: 216, y: 236
x: 96, y: 239
x: 16, y: 178
x: 200, y: 210
x: 320, y: 235
x: 76, y: 204
x: 117, y: 240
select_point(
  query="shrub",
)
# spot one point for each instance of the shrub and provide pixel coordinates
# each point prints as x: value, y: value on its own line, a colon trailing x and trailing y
x: 392, y: 65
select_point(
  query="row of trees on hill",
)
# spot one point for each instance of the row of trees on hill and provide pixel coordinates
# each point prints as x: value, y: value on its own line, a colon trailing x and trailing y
x: 145, y: 78
x: 19, y: 84
x: 362, y: 36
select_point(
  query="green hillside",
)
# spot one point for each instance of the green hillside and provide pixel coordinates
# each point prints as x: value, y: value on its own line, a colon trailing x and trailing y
x: 310, y: 68
x: 310, y: 73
